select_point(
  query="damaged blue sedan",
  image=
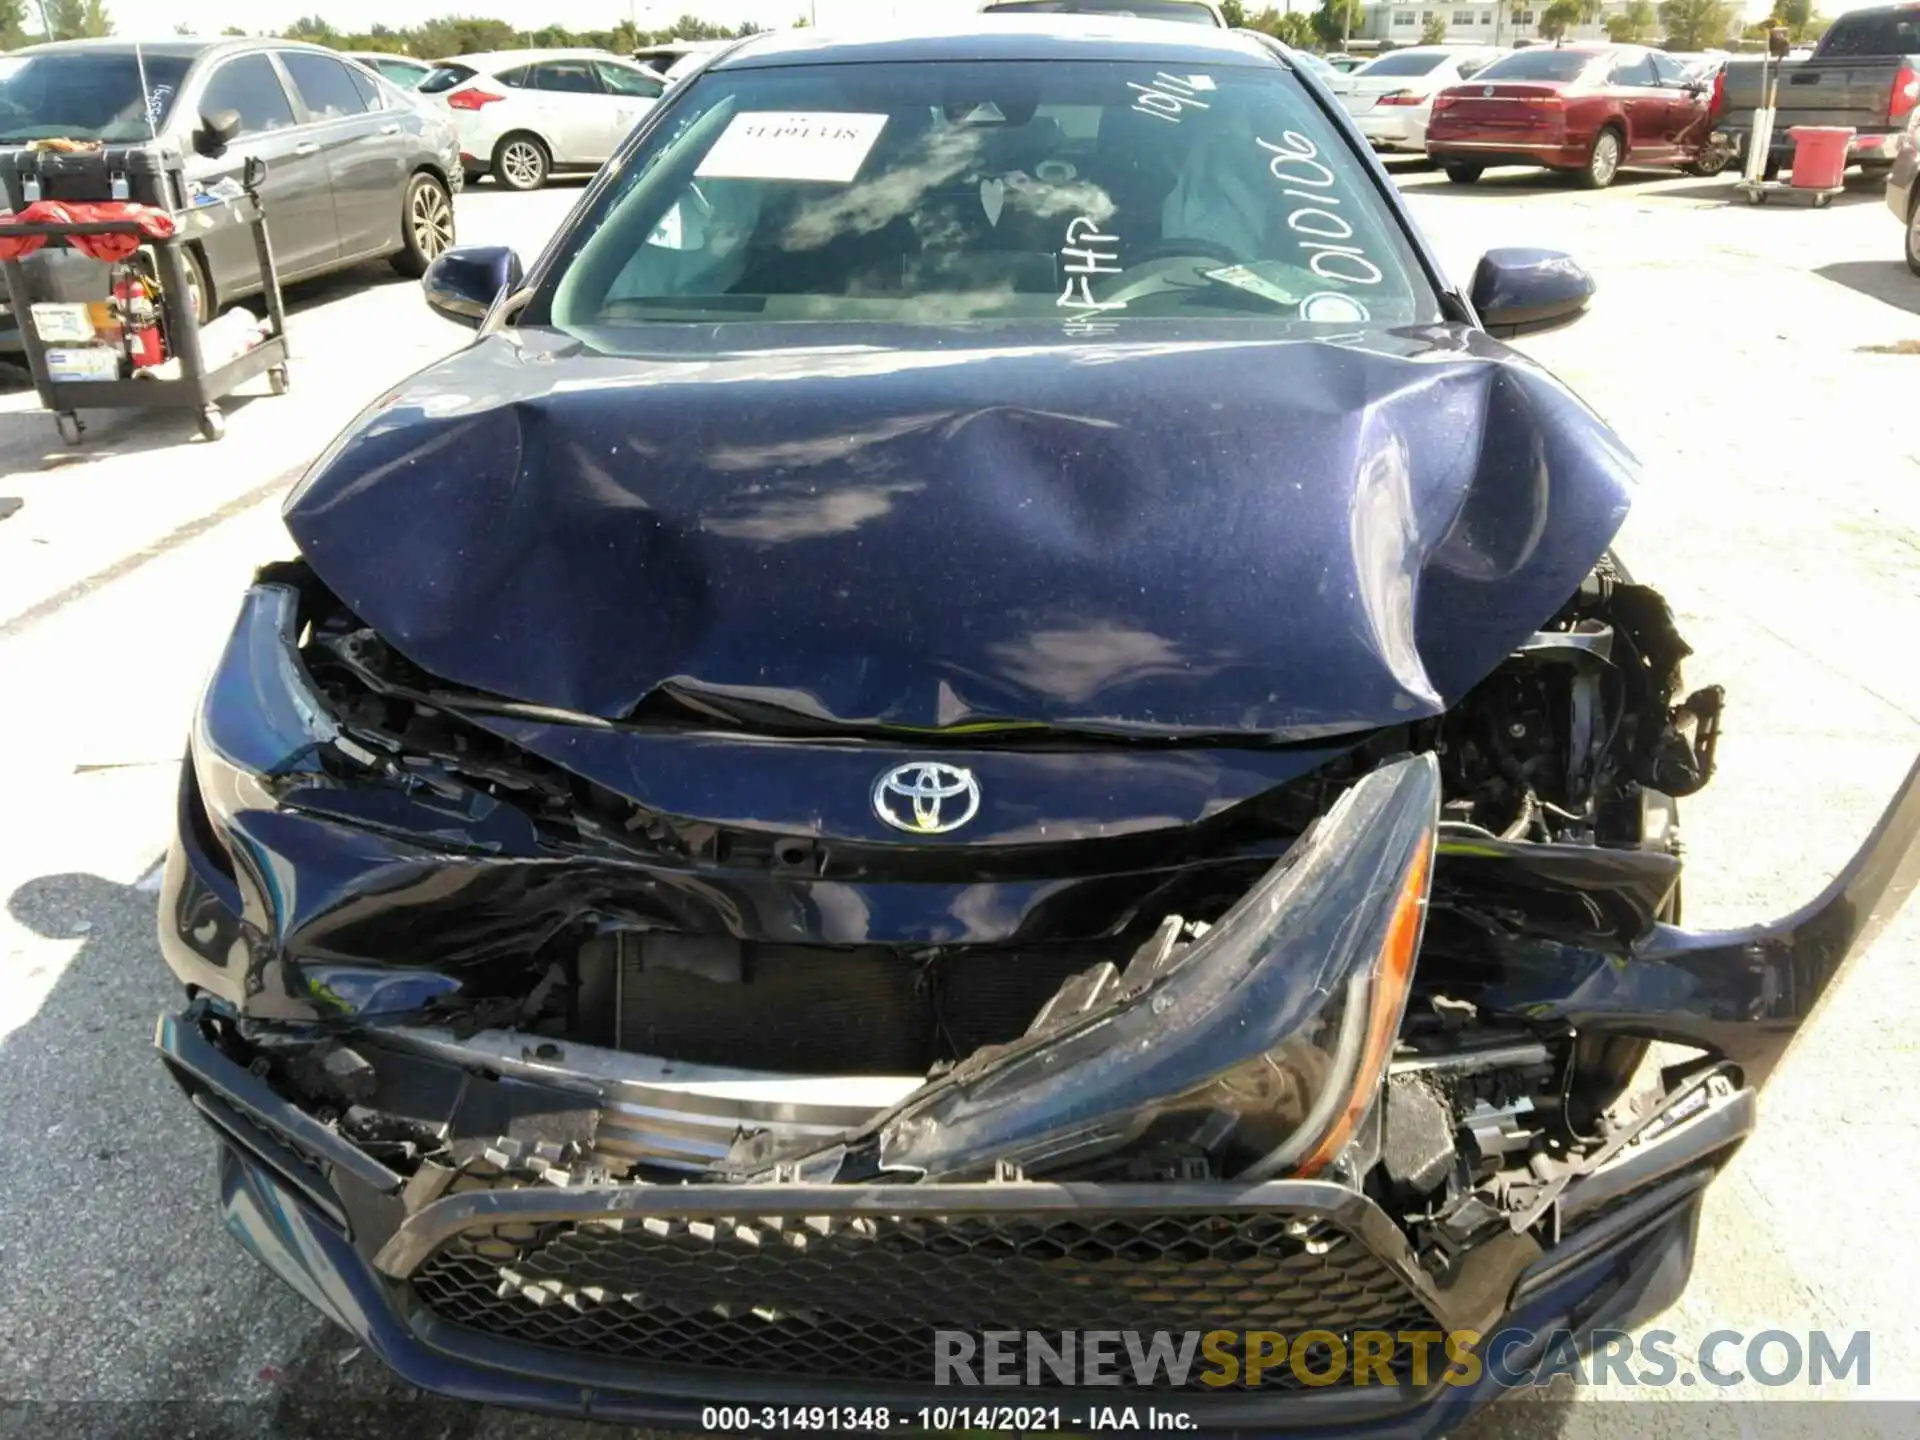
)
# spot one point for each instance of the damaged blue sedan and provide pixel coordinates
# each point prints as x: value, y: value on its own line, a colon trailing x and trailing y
x: 984, y: 704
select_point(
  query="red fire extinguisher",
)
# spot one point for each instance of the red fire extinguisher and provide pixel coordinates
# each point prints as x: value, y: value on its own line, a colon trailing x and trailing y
x: 139, y: 319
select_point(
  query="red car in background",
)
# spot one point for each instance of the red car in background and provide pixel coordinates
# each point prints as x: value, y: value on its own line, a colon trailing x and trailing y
x: 1584, y: 109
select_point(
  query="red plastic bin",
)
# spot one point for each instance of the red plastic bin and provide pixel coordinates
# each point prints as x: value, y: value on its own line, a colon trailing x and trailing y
x: 1820, y: 155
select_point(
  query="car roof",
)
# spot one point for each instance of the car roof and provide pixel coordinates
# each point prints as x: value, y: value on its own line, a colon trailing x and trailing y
x: 1005, y: 37
x: 499, y: 59
x: 389, y: 55
x: 176, y: 48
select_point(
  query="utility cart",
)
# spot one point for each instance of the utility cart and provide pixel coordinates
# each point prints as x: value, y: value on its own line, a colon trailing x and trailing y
x: 148, y: 370
x: 1819, y: 152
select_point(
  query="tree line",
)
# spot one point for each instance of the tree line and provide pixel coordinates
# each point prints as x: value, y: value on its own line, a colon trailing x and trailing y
x: 1686, y: 25
x: 27, y: 22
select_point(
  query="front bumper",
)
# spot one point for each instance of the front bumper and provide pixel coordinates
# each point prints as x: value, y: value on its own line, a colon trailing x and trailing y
x: 500, y: 1281
x: 644, y: 1304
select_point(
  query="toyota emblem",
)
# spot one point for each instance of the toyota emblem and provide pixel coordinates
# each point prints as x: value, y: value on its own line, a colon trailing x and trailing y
x: 926, y: 797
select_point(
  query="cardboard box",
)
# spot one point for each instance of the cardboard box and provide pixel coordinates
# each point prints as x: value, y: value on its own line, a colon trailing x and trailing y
x: 84, y: 362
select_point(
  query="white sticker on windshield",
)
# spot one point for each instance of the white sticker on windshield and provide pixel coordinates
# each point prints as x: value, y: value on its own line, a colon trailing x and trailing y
x: 1331, y: 307
x: 1241, y: 278
x: 792, y: 145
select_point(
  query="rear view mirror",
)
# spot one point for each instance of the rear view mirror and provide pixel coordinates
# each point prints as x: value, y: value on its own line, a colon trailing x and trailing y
x: 218, y: 129
x: 462, y: 284
x: 1522, y: 291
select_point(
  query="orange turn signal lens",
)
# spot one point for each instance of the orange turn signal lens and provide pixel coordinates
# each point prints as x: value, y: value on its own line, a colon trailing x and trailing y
x: 1386, y: 1002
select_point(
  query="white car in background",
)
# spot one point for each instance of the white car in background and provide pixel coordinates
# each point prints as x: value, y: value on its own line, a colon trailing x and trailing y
x: 677, y: 58
x: 526, y: 114
x: 1391, y: 96
x: 402, y: 70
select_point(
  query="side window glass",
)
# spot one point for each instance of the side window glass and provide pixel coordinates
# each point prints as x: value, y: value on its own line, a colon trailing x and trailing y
x: 516, y: 78
x: 572, y: 77
x: 250, y: 86
x: 324, y: 85
x: 369, y: 88
x: 619, y: 80
x: 1668, y: 70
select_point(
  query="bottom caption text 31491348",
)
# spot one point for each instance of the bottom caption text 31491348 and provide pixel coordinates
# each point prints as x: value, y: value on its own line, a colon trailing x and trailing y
x: 1013, y: 1419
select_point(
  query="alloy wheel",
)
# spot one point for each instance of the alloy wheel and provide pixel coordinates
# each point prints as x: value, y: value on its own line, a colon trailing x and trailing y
x: 524, y: 164
x: 1605, y: 163
x: 432, y: 220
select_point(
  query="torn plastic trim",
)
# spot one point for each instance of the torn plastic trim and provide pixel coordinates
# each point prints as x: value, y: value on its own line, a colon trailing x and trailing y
x: 1704, y: 1123
x: 203, y: 1072
x: 1741, y: 995
x: 1254, y: 1045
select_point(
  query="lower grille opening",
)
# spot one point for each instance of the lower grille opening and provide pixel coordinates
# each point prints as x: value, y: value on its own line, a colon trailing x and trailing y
x: 859, y: 1298
x: 812, y: 1010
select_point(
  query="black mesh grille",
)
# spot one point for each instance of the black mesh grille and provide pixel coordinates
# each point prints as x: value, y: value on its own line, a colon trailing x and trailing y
x: 859, y: 1298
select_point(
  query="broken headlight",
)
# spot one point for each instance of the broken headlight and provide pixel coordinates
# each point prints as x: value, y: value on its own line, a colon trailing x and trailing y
x: 1260, y: 1046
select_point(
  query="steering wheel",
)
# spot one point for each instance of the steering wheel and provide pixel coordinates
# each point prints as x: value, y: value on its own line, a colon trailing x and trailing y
x: 1185, y: 248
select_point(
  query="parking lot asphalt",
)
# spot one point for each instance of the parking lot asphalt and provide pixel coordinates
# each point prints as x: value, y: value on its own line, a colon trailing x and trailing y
x: 1756, y: 359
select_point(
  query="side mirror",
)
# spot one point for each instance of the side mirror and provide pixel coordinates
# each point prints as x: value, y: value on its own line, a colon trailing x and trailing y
x: 462, y: 284
x: 218, y: 129
x: 1522, y: 291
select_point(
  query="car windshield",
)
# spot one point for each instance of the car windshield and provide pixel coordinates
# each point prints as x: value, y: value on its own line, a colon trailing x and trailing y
x: 1406, y: 62
x: 1177, y: 10
x: 941, y: 192
x: 1882, y: 32
x: 446, y: 77
x: 1538, y: 65
x: 86, y: 95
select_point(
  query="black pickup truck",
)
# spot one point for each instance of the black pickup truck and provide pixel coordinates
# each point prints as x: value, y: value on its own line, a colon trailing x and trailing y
x: 1865, y: 72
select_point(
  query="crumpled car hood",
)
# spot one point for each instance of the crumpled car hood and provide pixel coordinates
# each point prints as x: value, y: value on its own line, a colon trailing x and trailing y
x: 1235, y: 528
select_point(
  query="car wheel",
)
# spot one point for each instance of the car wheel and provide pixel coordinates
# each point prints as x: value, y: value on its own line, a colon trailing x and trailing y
x: 1603, y: 161
x: 1913, y: 232
x: 1711, y: 160
x: 520, y: 162
x: 426, y: 225
x: 1462, y: 174
x: 199, y: 292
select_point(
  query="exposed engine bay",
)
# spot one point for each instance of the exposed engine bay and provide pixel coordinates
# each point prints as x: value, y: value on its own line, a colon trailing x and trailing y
x: 690, y: 1054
